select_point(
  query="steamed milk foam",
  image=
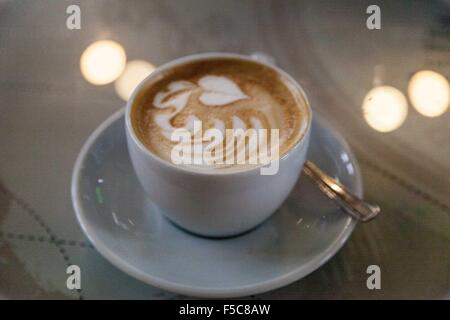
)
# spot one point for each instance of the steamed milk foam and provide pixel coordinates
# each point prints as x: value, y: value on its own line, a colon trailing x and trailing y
x: 226, y: 94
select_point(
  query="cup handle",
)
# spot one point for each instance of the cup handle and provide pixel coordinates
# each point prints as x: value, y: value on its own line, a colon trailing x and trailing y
x: 263, y: 57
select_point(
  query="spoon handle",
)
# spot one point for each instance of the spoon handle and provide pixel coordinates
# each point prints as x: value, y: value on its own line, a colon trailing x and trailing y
x: 350, y: 203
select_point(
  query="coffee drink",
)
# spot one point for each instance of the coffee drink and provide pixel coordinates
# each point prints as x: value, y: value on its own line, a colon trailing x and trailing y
x: 201, y: 99
x: 220, y: 93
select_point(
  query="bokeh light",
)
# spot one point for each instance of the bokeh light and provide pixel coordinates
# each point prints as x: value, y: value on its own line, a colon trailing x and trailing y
x: 135, y: 72
x: 385, y: 108
x: 103, y: 62
x: 429, y: 93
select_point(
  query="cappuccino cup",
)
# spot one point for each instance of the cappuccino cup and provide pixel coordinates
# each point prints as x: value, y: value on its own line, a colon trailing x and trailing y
x: 211, y: 95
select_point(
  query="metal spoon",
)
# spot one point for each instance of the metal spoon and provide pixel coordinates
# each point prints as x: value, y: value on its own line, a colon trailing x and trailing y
x: 350, y: 203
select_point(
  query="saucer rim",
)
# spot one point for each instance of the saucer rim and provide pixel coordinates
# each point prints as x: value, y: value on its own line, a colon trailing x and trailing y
x: 199, y: 291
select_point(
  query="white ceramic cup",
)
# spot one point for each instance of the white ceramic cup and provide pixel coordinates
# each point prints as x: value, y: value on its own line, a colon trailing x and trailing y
x: 214, y: 203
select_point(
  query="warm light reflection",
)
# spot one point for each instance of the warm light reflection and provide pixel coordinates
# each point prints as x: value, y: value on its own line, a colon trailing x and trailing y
x: 135, y: 72
x: 385, y: 108
x: 103, y: 62
x: 429, y: 93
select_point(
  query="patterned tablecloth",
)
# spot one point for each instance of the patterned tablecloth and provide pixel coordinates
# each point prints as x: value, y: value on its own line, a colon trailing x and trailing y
x: 48, y: 110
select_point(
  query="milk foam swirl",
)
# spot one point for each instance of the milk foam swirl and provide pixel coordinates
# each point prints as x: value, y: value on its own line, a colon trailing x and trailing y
x: 216, y: 92
x: 222, y: 95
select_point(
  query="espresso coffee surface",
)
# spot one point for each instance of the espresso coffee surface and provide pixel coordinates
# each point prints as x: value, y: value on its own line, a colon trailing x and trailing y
x: 221, y: 93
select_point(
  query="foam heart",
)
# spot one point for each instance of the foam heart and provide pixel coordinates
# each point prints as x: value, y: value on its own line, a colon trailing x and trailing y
x: 219, y: 91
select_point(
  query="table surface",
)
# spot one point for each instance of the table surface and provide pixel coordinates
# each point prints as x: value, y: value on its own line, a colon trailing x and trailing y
x: 49, y: 109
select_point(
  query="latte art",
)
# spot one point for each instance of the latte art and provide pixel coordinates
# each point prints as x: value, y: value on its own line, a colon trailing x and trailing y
x: 219, y: 94
x: 212, y: 91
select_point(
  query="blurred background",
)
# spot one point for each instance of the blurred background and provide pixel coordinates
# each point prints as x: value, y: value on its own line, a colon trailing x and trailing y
x: 385, y: 90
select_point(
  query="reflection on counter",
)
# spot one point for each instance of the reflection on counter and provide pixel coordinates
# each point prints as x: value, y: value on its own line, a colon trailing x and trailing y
x: 429, y: 93
x: 135, y: 71
x: 103, y: 62
x: 385, y: 108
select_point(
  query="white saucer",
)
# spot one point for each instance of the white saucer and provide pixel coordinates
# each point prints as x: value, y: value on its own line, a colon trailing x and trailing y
x: 127, y: 229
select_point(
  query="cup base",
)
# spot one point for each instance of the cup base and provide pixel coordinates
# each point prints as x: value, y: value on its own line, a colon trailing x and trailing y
x: 214, y: 237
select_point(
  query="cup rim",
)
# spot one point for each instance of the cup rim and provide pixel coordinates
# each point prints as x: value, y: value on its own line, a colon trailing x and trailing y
x: 201, y: 56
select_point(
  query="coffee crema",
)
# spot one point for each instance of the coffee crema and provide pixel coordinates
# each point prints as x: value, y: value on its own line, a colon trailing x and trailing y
x: 221, y: 93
